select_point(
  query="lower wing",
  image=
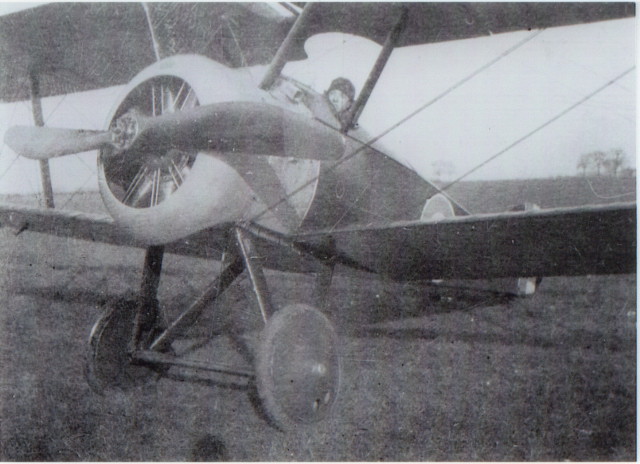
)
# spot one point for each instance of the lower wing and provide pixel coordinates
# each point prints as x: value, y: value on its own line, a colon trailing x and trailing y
x: 564, y: 241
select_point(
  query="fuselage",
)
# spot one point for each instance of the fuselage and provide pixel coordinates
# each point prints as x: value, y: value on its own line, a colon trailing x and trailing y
x: 187, y: 192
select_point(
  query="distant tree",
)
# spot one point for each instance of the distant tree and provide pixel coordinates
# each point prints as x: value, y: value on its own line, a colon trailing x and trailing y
x: 584, y: 162
x: 598, y: 159
x: 614, y: 161
x: 600, y: 162
x: 628, y: 172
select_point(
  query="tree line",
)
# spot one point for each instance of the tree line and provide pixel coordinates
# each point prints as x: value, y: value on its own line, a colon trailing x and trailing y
x: 604, y: 163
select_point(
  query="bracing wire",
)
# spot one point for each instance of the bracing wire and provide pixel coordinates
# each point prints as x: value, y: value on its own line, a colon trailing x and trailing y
x: 75, y: 192
x: 539, y: 128
x: 230, y: 23
x: 13, y: 161
x: 154, y: 42
x: 53, y: 111
x: 368, y: 144
x: 2, y: 147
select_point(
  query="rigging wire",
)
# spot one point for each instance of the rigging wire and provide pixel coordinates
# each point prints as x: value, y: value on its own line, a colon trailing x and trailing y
x: 76, y: 192
x: 154, y: 41
x: 3, y: 146
x: 53, y: 111
x: 365, y: 145
x: 230, y: 23
x: 539, y: 128
x: 9, y: 167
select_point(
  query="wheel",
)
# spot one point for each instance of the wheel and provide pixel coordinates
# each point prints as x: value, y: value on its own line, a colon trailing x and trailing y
x: 108, y: 364
x: 298, y: 366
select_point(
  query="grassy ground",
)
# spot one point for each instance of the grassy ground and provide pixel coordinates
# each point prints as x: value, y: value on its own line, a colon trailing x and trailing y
x: 497, y: 196
x: 427, y: 376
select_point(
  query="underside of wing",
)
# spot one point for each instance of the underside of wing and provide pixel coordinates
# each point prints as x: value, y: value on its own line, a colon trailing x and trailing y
x: 73, y: 47
x: 430, y: 22
x: 567, y: 241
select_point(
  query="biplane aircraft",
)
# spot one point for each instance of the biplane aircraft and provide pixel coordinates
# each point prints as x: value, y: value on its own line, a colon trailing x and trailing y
x: 212, y: 152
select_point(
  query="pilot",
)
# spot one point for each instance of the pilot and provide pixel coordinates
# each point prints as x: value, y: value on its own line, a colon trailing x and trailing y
x: 340, y: 95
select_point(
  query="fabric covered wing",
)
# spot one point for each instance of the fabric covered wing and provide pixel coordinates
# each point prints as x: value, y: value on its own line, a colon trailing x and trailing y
x: 81, y: 46
x: 430, y: 22
x: 92, y: 227
x: 208, y: 243
x: 568, y: 241
x: 102, y: 229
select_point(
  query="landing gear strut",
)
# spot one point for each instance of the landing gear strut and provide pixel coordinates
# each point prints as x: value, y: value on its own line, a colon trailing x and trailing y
x: 297, y: 364
x: 126, y: 324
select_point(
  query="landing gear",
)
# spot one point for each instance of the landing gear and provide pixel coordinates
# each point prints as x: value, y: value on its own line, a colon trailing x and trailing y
x: 108, y: 365
x: 298, y: 366
x: 127, y: 324
x: 297, y: 363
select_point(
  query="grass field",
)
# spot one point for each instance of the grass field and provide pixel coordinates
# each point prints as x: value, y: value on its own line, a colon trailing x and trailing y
x: 448, y: 375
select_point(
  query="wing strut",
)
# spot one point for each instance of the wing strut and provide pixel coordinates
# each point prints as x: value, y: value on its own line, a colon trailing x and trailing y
x: 376, y: 71
x: 290, y: 42
x: 38, y: 118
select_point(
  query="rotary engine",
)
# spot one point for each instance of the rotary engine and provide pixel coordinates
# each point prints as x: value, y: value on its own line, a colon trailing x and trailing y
x: 162, y: 192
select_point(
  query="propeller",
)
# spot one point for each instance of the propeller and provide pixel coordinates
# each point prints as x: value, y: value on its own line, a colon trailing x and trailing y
x: 46, y: 142
x: 238, y: 127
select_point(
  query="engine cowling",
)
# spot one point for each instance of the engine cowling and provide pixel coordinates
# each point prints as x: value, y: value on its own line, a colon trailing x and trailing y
x: 161, y: 195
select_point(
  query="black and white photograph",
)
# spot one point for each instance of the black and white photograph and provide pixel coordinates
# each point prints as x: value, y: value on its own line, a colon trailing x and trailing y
x: 332, y: 231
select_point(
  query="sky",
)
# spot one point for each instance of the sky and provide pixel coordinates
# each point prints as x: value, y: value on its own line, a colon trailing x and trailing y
x: 551, y: 72
x: 481, y: 117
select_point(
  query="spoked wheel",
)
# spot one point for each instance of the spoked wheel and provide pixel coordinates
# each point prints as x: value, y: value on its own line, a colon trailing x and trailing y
x: 298, y: 366
x: 108, y: 364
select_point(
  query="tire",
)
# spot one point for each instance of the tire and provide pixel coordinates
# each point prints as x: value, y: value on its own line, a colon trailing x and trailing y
x: 298, y: 367
x: 108, y: 364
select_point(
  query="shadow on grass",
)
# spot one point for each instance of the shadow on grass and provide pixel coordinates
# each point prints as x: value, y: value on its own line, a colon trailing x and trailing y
x: 397, y: 305
x: 209, y: 448
x: 579, y: 339
x: 206, y: 381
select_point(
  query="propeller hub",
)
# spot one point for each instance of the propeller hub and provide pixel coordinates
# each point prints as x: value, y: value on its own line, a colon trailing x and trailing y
x: 125, y: 130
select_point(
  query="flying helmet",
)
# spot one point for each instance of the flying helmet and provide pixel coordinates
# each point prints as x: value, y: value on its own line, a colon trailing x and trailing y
x: 345, y: 86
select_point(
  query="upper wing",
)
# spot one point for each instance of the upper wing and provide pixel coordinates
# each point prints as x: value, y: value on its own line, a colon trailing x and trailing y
x: 438, y: 22
x: 81, y: 46
x: 566, y: 241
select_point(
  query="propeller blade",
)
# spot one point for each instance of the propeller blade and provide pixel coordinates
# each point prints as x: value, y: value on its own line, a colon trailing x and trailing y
x: 234, y: 127
x: 46, y: 142
x: 242, y: 127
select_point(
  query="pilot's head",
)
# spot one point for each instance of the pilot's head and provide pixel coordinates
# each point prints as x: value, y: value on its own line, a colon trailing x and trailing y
x: 340, y: 94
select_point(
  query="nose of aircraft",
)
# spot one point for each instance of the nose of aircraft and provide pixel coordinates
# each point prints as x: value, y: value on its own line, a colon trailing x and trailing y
x: 161, y: 192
